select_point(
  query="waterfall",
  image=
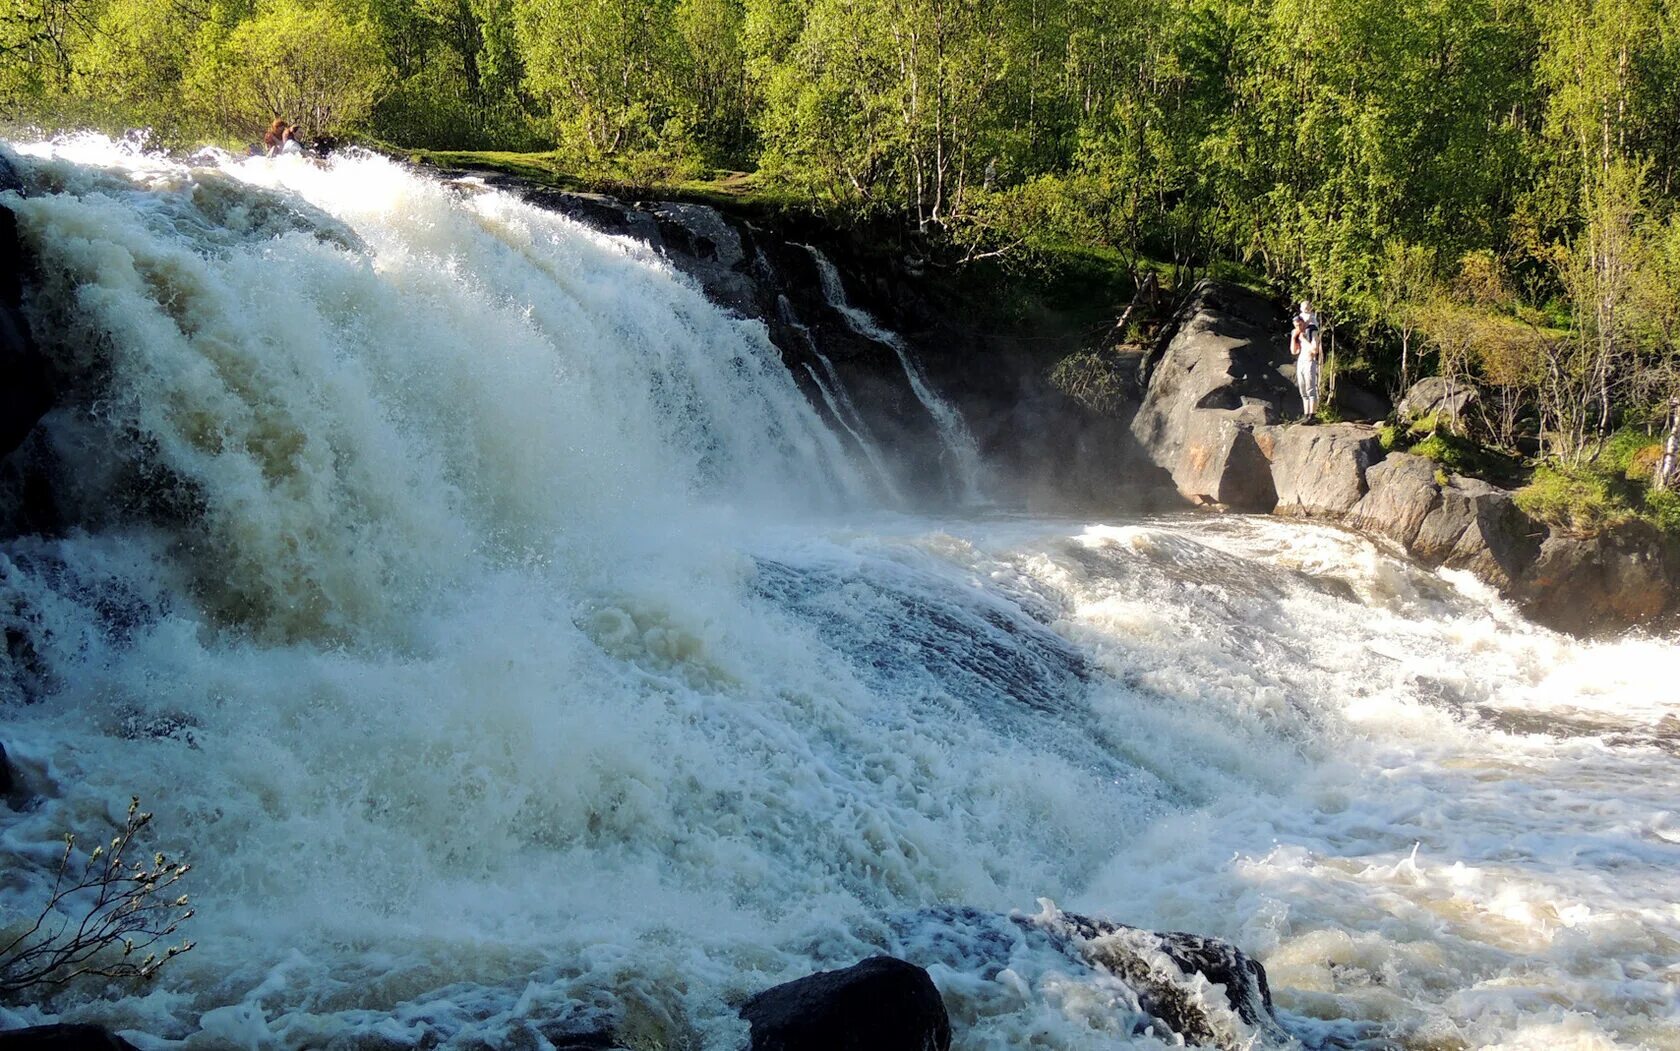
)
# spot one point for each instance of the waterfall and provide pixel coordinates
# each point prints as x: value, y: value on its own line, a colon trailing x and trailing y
x: 960, y: 449
x: 845, y: 412
x: 515, y: 653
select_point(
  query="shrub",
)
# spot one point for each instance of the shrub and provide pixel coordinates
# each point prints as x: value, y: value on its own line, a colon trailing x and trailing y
x: 1576, y: 499
x: 103, y: 917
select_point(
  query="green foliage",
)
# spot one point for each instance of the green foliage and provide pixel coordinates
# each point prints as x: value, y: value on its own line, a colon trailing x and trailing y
x: 1581, y: 499
x: 316, y: 66
x: 1590, y: 497
x: 1455, y: 453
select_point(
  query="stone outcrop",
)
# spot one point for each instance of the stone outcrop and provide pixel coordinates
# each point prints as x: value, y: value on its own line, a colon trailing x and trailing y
x: 1222, y: 463
x: 1320, y: 471
x: 1209, y: 417
x: 1623, y: 575
x: 1218, y: 378
x: 880, y: 1004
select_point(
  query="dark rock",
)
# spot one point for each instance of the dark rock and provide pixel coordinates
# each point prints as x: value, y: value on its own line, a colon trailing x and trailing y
x: 1429, y: 395
x: 9, y: 178
x: 1621, y: 576
x: 25, y: 389
x: 1320, y: 471
x: 1226, y: 352
x: 63, y: 1038
x: 7, y: 782
x: 1402, y: 491
x: 1478, y: 526
x: 881, y: 1004
x: 1221, y: 463
x: 1166, y: 971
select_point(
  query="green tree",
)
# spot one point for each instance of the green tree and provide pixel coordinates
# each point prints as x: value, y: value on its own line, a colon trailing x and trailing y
x: 314, y: 65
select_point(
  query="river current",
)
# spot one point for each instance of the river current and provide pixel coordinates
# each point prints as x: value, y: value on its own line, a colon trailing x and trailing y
x: 510, y: 647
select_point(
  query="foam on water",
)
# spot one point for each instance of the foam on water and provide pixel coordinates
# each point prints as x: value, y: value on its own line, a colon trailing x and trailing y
x: 509, y: 658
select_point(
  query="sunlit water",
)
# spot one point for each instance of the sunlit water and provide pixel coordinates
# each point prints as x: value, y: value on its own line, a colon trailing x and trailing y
x: 529, y: 655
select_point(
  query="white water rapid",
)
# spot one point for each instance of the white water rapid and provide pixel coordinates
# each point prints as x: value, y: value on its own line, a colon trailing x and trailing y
x: 512, y: 651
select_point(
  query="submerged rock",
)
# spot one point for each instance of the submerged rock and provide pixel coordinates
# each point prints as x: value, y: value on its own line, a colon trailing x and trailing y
x: 1203, y: 989
x: 63, y: 1038
x: 880, y: 1004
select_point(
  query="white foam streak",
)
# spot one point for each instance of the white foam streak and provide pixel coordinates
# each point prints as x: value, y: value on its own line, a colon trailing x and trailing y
x: 953, y: 432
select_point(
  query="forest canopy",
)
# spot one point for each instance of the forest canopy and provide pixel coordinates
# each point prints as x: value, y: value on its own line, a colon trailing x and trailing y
x: 1402, y: 162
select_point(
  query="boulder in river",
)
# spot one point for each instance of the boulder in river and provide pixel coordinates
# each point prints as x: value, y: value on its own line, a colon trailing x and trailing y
x: 880, y: 1004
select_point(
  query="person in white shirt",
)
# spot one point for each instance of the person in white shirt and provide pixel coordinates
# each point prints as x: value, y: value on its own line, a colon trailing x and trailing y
x: 1303, y: 346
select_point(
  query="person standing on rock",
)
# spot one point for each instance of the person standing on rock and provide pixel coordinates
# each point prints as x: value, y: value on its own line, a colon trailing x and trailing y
x: 1303, y: 346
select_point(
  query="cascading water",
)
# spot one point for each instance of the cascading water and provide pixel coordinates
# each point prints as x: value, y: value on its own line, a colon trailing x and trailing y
x: 840, y: 405
x: 960, y: 449
x: 512, y: 651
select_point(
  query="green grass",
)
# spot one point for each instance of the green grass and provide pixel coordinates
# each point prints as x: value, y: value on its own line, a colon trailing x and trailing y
x: 1454, y: 453
x: 632, y: 176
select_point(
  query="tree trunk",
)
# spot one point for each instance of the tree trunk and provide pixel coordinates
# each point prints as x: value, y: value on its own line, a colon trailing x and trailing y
x: 1666, y: 469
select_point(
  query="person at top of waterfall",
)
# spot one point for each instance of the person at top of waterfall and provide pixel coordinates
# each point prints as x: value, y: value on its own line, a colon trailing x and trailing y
x: 274, y: 136
x: 1303, y: 346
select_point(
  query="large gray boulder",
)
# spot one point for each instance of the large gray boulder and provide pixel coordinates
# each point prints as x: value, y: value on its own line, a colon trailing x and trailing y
x: 1478, y: 526
x: 1430, y: 395
x: 1226, y: 354
x: 1221, y: 463
x: 1320, y: 471
x: 1401, y: 492
x: 1623, y: 575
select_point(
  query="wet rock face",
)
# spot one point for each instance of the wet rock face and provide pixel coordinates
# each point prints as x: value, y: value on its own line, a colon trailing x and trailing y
x: 880, y: 1004
x: 25, y: 391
